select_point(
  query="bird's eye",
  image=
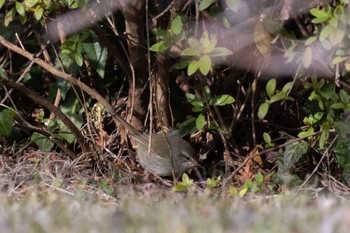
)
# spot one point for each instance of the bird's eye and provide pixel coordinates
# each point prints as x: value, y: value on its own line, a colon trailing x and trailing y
x: 188, y: 158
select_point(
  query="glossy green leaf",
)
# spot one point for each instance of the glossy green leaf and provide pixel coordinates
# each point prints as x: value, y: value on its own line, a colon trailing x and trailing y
x: 20, y: 8
x: 204, y: 64
x: 319, y: 13
x: 10, y: 15
x: 176, y: 26
x: 78, y: 58
x: 160, y: 46
x: 194, y: 100
x: 96, y: 54
x: 267, y: 138
x: 221, y: 100
x: 287, y: 87
x: 271, y: 87
x: 191, y: 51
x: 159, y: 32
x: 2, y: 3
x: 263, y: 109
x: 192, y: 67
x: 30, y: 3
x: 293, y: 152
x: 204, y: 4
x: 200, y: 121
x: 38, y: 13
x: 278, y: 97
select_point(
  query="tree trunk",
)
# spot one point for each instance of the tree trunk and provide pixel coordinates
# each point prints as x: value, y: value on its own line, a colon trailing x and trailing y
x: 134, y: 14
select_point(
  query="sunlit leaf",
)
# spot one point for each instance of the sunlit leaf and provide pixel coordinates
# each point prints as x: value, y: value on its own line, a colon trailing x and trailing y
x: 221, y: 100
x: 204, y: 64
x: 200, y: 121
x: 191, y: 51
x: 38, y: 13
x: 192, y: 67
x: 271, y: 87
x: 263, y: 109
x: 10, y: 15
x: 176, y: 26
x: 20, y: 8
x: 2, y: 3
x: 307, y: 57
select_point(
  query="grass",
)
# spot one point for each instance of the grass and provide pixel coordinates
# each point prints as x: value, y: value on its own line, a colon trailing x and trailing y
x: 41, y: 194
x: 54, y: 211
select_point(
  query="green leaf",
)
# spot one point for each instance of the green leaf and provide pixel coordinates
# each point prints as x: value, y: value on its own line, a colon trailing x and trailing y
x: 96, y: 53
x: 338, y: 59
x: 287, y: 87
x: 10, y: 15
x: 220, y: 52
x: 38, y: 13
x: 200, y: 121
x: 221, y: 100
x: 20, y: 8
x: 310, y: 40
x: 3, y: 73
x: 267, y: 138
x: 204, y: 4
x: 2, y: 3
x: 176, y: 26
x: 279, y: 96
x: 192, y: 67
x: 30, y: 3
x: 307, y: 133
x: 263, y: 109
x: 78, y: 58
x: 204, y: 64
x: 259, y: 178
x: 271, y: 87
x: 194, y: 100
x: 307, y: 57
x: 342, y: 151
x: 342, y: 128
x: 184, y: 184
x: 293, y: 153
x: 343, y: 96
x: 191, y: 51
x: 319, y: 13
x: 6, y: 121
x: 159, y: 32
x: 160, y: 46
x: 326, y: 31
x: 42, y: 142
